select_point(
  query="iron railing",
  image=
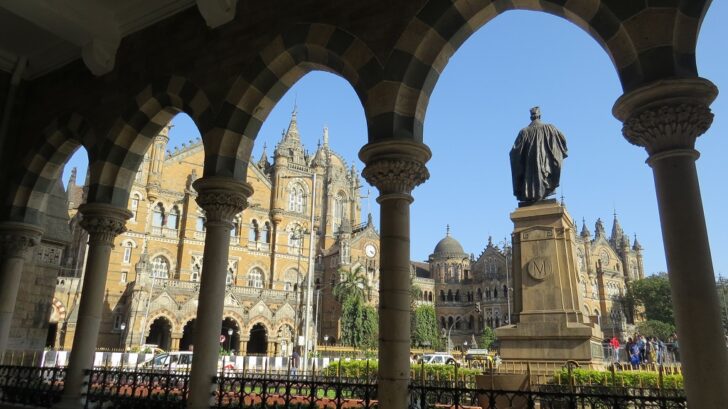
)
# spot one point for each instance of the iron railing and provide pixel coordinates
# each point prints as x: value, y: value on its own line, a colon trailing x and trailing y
x: 31, y: 386
x: 456, y: 395
x: 294, y: 391
x: 114, y: 388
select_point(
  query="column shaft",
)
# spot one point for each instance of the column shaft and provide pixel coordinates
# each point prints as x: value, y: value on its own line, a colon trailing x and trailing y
x: 15, y: 239
x: 11, y: 270
x: 221, y: 198
x: 394, y: 306
x: 692, y: 281
x: 103, y: 223
x: 209, y: 313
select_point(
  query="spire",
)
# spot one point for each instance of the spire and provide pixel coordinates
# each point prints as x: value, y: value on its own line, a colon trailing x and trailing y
x: 447, y: 232
x: 292, y: 132
x: 326, y: 136
x: 263, y: 161
x: 72, y: 179
x: 490, y: 241
x: 636, y: 246
x: 585, y: 233
x: 599, y: 229
x: 617, y: 231
x: 290, y: 144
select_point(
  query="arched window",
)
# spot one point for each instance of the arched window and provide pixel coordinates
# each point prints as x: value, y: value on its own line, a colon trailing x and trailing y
x: 230, y: 277
x: 158, y: 215
x: 160, y: 267
x: 135, y: 206
x: 236, y: 227
x: 266, y: 232
x: 295, y: 240
x: 449, y: 295
x: 338, y: 211
x: 201, y: 220
x: 173, y: 218
x: 449, y: 322
x: 253, y: 232
x: 480, y: 295
x: 295, y: 198
x: 505, y: 290
x: 495, y: 292
x: 290, y: 279
x: 128, y: 246
x: 442, y: 295
x: 442, y: 322
x: 255, y: 278
x: 457, y: 295
x: 471, y: 322
x: 196, y: 268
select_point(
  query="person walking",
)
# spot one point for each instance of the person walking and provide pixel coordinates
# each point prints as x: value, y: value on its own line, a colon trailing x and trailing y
x: 614, y: 343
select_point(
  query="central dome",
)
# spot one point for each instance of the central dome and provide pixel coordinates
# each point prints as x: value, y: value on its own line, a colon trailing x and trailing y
x: 448, y: 245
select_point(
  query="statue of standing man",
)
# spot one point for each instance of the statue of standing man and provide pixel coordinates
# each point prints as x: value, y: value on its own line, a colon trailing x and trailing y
x: 536, y: 159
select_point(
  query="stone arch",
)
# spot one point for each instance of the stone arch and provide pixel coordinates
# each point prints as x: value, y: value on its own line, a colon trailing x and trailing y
x: 441, y: 27
x: 258, y: 320
x: 163, y: 313
x: 122, y: 151
x: 291, y: 55
x: 234, y: 316
x: 41, y: 168
x: 282, y: 323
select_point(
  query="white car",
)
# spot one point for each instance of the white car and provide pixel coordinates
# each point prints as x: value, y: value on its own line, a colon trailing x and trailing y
x: 438, y: 358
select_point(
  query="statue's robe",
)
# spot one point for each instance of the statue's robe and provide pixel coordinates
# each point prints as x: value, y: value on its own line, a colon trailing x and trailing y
x: 536, y: 159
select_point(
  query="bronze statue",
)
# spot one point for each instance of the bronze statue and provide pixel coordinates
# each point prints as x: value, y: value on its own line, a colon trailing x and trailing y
x: 536, y: 159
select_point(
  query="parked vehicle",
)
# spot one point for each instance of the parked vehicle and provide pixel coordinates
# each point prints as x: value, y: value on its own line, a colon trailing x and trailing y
x: 172, y: 361
x: 438, y: 358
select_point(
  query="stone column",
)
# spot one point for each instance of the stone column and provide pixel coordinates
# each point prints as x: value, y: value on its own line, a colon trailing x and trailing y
x: 176, y: 338
x: 221, y: 198
x: 666, y: 118
x: 103, y: 222
x: 243, y: 346
x: 15, y: 240
x: 395, y: 168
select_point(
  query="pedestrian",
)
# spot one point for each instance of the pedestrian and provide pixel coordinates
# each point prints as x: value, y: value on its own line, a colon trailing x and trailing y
x: 614, y: 343
x: 295, y: 358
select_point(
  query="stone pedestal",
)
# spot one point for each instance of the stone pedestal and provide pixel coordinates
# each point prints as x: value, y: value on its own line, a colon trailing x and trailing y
x: 550, y: 325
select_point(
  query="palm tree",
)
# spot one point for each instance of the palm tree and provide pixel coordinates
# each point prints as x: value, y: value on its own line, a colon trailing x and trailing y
x: 353, y: 283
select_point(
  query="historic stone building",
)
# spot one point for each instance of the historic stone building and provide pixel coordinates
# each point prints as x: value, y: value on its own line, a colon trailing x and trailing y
x: 155, y: 268
x: 119, y: 71
x: 470, y: 293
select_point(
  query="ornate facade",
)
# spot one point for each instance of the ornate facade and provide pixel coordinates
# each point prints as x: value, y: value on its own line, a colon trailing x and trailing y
x: 153, y: 283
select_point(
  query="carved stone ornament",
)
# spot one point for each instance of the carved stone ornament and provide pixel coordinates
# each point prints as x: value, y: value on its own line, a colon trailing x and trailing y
x: 103, y: 222
x: 222, y: 198
x: 396, y: 175
x: 668, y: 127
x: 17, y: 238
x: 539, y: 268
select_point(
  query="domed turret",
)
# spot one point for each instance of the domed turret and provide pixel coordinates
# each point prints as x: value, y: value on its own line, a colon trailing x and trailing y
x: 448, y: 246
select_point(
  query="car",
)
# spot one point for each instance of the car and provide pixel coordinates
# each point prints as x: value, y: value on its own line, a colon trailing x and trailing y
x: 173, y: 361
x: 441, y: 358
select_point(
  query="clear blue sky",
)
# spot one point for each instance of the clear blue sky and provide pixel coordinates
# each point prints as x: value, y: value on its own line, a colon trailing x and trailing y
x: 481, y: 100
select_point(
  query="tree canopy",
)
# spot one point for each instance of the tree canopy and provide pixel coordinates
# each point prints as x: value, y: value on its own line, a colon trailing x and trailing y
x: 424, y: 329
x: 359, y: 323
x: 353, y: 283
x: 653, y: 293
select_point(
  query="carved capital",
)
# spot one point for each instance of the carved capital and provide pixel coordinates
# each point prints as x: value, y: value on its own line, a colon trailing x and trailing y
x: 103, y: 222
x: 395, y: 167
x: 667, y: 115
x: 17, y: 238
x: 222, y: 198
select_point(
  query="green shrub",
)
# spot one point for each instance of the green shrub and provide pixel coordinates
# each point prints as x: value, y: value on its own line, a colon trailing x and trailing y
x: 630, y: 379
x: 360, y: 369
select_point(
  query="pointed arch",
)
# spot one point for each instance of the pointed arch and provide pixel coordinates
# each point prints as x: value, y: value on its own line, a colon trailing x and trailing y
x: 122, y: 151
x: 40, y: 170
x: 291, y: 55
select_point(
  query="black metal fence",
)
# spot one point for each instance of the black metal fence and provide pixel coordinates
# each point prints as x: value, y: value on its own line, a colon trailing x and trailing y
x: 31, y: 386
x: 115, y: 388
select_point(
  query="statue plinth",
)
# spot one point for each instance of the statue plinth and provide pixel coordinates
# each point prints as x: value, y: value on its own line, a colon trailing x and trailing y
x: 550, y: 325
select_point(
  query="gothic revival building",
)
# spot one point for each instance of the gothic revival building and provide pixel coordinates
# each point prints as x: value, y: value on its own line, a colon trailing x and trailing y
x: 155, y: 268
x: 472, y: 293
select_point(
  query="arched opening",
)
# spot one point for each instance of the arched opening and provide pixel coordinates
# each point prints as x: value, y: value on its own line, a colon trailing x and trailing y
x: 231, y: 331
x: 258, y: 341
x: 160, y: 333
x: 188, y: 336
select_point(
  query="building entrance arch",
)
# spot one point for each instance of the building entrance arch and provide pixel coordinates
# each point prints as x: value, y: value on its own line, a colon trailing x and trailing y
x: 160, y: 333
x: 258, y: 340
x: 188, y: 336
x: 231, y: 331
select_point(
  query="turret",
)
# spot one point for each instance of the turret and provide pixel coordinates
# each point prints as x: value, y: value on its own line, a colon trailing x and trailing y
x: 637, y: 247
x: 585, y: 233
x: 586, y: 237
x: 599, y: 229
x: 617, y: 233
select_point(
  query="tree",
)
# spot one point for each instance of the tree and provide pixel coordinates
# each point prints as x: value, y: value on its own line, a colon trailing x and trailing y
x: 424, y: 329
x: 353, y: 283
x: 653, y: 293
x: 722, y: 285
x: 487, y: 338
x: 653, y: 328
x: 359, y: 323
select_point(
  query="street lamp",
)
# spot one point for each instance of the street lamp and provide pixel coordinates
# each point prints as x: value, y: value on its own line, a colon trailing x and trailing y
x: 230, y: 338
x: 121, y: 335
x: 326, y: 343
